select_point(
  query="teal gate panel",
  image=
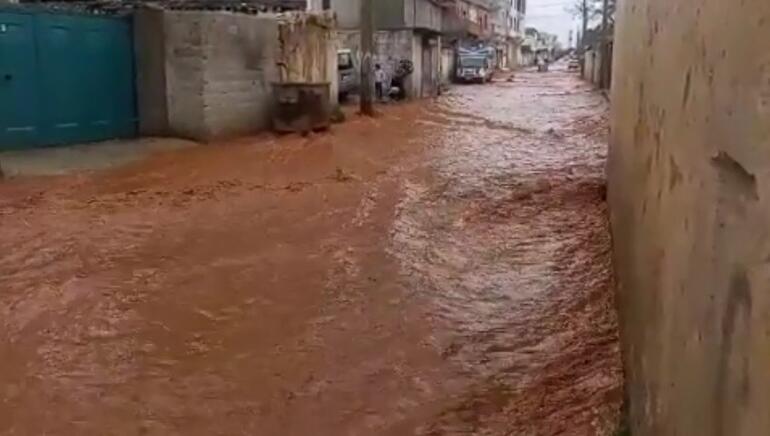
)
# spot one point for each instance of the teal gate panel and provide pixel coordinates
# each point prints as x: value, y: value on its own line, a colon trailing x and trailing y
x: 18, y: 82
x: 84, y: 80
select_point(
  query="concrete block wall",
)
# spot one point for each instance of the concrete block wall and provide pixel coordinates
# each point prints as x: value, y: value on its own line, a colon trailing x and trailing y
x: 689, y: 194
x: 184, y: 74
x: 211, y: 75
x: 239, y: 67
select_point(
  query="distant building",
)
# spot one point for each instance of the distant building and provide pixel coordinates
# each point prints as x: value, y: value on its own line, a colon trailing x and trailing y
x: 518, y: 17
x: 507, y: 35
x: 538, y: 44
x: 499, y: 22
x: 467, y: 19
x: 407, y: 30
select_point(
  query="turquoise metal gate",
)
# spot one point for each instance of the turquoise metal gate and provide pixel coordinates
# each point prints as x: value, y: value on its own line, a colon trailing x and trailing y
x: 64, y: 78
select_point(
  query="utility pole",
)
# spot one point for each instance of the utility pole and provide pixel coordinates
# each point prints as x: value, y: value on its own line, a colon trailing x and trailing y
x: 604, y: 47
x: 581, y: 45
x: 367, y: 49
x: 585, y: 21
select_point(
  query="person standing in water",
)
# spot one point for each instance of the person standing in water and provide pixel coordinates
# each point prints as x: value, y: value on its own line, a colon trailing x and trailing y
x: 379, y: 82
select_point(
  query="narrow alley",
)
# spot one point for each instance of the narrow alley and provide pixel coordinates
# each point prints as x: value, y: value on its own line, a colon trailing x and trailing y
x: 443, y: 269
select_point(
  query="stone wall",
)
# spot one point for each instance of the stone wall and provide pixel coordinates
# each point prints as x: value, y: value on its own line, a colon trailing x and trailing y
x: 689, y: 190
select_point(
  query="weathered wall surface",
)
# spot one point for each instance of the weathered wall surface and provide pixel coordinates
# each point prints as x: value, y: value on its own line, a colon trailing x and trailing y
x: 592, y: 68
x: 303, y: 55
x: 211, y: 74
x: 390, y: 14
x: 423, y: 14
x: 151, y: 72
x: 689, y: 189
x: 184, y: 74
x: 348, y: 13
x: 431, y: 66
x: 414, y: 87
x: 239, y: 64
x: 514, y: 55
x: 447, y: 65
x: 391, y: 46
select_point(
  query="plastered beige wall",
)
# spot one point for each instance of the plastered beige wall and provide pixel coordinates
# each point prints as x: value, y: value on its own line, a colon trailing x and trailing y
x: 689, y: 188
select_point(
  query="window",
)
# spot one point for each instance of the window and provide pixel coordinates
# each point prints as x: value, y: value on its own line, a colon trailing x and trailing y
x: 472, y: 62
x: 344, y: 61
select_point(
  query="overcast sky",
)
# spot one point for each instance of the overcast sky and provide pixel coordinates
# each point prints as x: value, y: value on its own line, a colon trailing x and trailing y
x: 551, y: 16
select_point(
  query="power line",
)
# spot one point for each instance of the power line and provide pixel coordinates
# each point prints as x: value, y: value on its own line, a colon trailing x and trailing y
x: 536, y: 16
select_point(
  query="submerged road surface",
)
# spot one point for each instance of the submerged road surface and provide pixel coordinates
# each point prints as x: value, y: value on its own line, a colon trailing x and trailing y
x: 443, y: 269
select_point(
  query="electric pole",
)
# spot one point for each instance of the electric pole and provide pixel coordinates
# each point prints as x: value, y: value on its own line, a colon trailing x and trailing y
x: 604, y: 47
x: 581, y: 44
x: 585, y: 22
x: 367, y: 48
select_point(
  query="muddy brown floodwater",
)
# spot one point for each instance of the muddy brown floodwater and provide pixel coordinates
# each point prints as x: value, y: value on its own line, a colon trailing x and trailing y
x: 443, y: 269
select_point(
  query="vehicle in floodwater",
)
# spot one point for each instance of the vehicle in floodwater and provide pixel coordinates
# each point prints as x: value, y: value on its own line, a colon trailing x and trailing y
x: 475, y: 64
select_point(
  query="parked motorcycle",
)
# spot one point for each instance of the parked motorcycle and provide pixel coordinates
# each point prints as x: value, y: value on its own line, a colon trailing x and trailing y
x: 398, y: 82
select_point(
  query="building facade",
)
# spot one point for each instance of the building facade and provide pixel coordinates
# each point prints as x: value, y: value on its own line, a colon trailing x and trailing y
x: 467, y: 19
x: 537, y: 45
x: 428, y: 32
x: 498, y: 22
x: 506, y: 32
x: 407, y: 31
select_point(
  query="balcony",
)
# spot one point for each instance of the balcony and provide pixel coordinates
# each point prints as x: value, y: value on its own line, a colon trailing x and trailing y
x: 459, y: 27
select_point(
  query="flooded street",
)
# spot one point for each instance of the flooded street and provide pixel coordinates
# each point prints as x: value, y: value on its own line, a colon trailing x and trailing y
x: 443, y: 269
